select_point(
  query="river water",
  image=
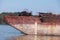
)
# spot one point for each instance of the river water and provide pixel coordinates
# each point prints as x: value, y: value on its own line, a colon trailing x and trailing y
x: 7, y: 31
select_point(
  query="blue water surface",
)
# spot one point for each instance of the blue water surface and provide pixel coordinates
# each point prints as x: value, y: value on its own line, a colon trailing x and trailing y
x: 7, y: 31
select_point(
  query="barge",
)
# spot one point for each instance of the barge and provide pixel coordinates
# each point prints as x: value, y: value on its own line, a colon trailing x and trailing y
x: 42, y: 24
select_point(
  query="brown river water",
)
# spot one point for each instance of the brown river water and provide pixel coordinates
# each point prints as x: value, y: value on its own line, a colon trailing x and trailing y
x: 34, y: 37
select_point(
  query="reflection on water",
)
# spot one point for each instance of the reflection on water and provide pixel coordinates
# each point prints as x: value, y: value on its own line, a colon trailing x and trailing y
x: 35, y: 37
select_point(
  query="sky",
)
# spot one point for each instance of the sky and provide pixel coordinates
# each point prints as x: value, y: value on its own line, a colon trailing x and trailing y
x: 34, y: 6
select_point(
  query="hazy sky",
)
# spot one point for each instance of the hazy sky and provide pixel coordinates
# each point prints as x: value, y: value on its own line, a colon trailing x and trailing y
x: 31, y: 5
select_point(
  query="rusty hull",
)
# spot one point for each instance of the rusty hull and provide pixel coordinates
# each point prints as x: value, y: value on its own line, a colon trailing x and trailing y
x: 33, y: 25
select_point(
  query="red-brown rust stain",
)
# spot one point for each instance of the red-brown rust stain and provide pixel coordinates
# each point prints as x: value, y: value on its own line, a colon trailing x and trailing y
x: 21, y: 19
x: 55, y: 20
